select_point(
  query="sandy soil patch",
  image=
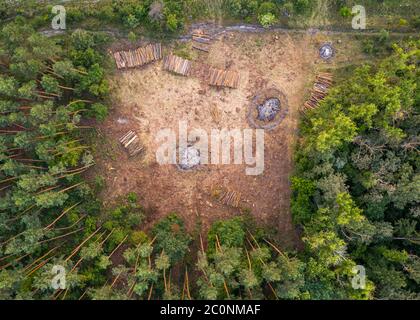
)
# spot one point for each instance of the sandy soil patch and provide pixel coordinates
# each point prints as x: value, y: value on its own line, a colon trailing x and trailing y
x: 149, y: 99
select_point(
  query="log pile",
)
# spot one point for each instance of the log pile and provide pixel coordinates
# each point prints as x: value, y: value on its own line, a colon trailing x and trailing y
x: 131, y: 142
x: 222, y: 78
x: 138, y: 57
x: 201, y: 41
x: 230, y: 198
x: 319, y: 91
x: 177, y: 65
x: 209, y: 74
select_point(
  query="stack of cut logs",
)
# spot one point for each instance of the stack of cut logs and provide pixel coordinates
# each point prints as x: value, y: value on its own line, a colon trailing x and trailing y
x: 222, y: 78
x: 201, y: 41
x: 131, y: 143
x: 138, y: 57
x: 177, y: 64
x: 211, y: 75
x: 230, y: 198
x: 319, y: 91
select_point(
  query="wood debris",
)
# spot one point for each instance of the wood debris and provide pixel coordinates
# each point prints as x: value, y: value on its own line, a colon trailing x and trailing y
x: 319, y: 91
x: 230, y: 198
x: 201, y: 40
x: 177, y: 65
x: 131, y: 142
x: 209, y: 74
x: 138, y: 57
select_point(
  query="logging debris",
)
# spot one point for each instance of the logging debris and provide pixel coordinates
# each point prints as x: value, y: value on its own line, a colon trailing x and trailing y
x: 230, y: 198
x: 201, y: 40
x: 131, y: 142
x: 319, y: 91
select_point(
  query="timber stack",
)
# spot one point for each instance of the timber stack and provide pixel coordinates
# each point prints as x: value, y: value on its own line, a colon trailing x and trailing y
x: 177, y: 65
x: 319, y: 91
x: 138, y: 57
x: 223, y: 78
x: 201, y: 40
x: 131, y: 142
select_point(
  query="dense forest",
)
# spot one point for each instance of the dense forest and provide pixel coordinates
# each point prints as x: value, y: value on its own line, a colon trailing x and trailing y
x: 356, y: 183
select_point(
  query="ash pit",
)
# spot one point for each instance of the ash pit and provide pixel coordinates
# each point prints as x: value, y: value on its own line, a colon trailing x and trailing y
x: 189, y: 158
x: 326, y: 51
x: 268, y: 110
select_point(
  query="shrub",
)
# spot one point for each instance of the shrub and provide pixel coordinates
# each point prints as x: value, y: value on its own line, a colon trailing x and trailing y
x: 383, y: 36
x: 138, y: 237
x: 132, y: 197
x: 368, y: 46
x: 172, y: 23
x: 345, y: 12
x: 99, y: 182
x: 234, y: 7
x: 230, y: 233
x: 100, y: 111
x: 415, y: 22
x: 301, y: 6
x: 82, y: 40
x: 267, y: 7
x: 267, y: 20
x: 132, y: 36
x: 131, y: 21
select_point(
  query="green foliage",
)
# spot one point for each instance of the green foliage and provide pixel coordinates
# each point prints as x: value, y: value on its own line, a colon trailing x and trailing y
x: 241, y: 265
x: 345, y: 12
x: 267, y: 19
x: 403, y: 22
x: 415, y: 22
x: 356, y: 183
x: 45, y: 199
x: 267, y: 7
x: 171, y: 237
x: 100, y: 111
x: 126, y: 215
x: 132, y: 37
x: 301, y: 6
x: 301, y: 202
x: 228, y: 232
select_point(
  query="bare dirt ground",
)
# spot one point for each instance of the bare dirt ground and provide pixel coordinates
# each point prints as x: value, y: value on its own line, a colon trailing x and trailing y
x: 150, y: 99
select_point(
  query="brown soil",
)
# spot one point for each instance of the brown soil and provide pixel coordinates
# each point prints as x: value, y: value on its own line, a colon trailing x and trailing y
x: 149, y: 99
